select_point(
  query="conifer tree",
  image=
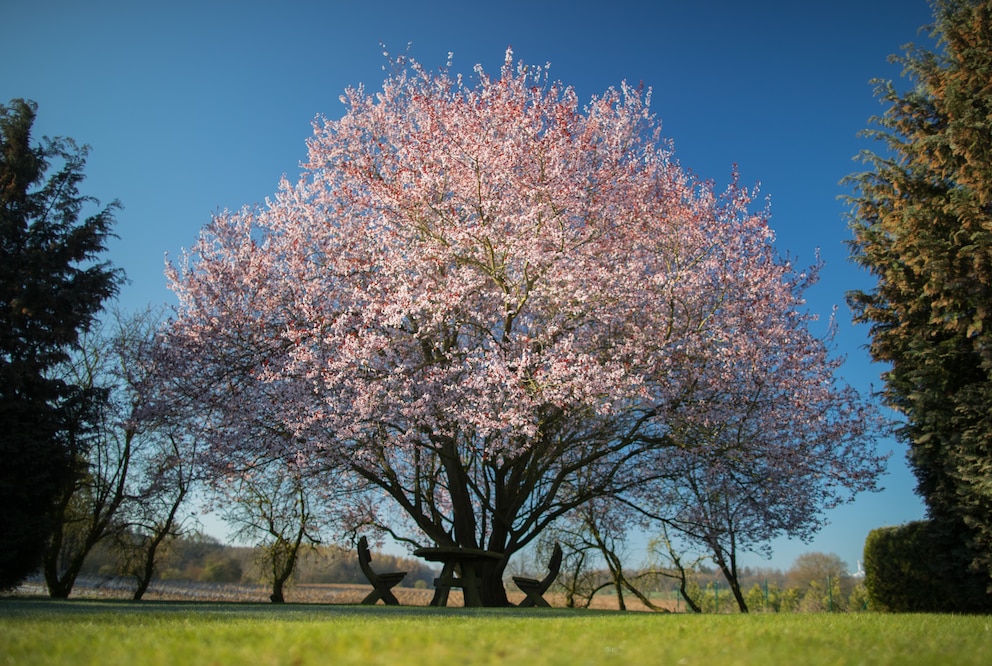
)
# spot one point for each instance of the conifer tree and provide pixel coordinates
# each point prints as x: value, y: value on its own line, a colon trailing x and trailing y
x: 922, y: 221
x: 52, y: 285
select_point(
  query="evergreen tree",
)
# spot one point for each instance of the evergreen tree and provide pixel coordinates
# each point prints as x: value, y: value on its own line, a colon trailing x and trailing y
x: 922, y: 220
x: 52, y: 285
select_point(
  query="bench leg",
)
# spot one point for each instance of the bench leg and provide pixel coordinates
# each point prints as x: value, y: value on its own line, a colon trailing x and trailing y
x: 534, y: 598
x: 386, y: 595
x: 538, y: 601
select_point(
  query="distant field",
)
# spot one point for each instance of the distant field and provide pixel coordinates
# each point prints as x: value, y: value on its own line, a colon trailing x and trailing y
x: 305, y: 594
x: 39, y: 631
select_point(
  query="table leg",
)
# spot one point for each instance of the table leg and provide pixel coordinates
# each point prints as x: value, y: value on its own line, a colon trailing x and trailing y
x: 442, y: 585
x: 471, y: 584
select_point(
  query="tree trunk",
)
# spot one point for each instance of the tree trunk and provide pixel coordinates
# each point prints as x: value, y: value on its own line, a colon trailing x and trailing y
x: 463, y: 511
x: 143, y: 583
x: 619, y: 590
x: 59, y: 587
x: 683, y: 580
x: 644, y: 599
x: 148, y: 568
x: 279, y: 581
x: 280, y: 574
x: 684, y: 591
x: 730, y: 573
x: 493, y: 590
x: 735, y: 587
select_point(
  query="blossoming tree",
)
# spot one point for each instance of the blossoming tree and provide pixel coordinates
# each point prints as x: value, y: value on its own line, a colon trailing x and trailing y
x: 485, y: 301
x: 769, y: 437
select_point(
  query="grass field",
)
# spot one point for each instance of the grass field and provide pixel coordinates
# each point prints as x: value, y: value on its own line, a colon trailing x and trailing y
x: 38, y: 631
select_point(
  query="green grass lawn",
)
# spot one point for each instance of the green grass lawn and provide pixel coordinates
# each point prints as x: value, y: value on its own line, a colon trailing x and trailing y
x: 35, y: 631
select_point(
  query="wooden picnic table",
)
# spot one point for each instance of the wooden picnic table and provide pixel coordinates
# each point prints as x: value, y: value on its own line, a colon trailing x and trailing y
x: 469, y: 563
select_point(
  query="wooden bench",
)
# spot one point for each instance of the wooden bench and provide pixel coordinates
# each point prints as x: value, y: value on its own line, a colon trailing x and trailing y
x: 534, y: 588
x: 381, y: 583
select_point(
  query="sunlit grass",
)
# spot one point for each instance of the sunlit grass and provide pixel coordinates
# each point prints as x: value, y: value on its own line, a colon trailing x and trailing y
x: 84, y: 632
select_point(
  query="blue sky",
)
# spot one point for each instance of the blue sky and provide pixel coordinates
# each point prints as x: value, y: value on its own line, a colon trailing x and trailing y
x: 193, y: 107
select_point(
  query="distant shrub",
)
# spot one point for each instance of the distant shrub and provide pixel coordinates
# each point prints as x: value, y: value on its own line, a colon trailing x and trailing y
x: 223, y: 570
x: 788, y: 600
x: 858, y: 600
x: 756, y: 599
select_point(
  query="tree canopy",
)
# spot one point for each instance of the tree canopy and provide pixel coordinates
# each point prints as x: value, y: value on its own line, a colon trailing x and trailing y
x: 491, y: 304
x: 922, y: 219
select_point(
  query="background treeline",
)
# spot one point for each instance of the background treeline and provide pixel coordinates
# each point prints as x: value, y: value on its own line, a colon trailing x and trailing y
x: 816, y: 582
x: 202, y: 558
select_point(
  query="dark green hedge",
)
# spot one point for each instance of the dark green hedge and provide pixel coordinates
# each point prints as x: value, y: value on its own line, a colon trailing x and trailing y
x: 919, y: 567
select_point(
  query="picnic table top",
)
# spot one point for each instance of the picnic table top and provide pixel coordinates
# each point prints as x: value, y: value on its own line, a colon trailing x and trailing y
x: 456, y: 553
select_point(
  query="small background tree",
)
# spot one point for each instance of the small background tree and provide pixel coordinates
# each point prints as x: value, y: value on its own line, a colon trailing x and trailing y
x: 134, y: 472
x: 274, y: 504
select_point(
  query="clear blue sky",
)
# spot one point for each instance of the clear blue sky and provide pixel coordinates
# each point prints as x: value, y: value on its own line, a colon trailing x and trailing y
x: 193, y: 107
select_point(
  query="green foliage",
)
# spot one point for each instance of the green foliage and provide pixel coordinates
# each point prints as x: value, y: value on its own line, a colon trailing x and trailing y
x: 858, y: 600
x: 756, y: 600
x: 191, y: 557
x: 40, y: 632
x: 803, y: 588
x: 906, y: 571
x: 199, y: 557
x: 222, y: 570
x: 52, y: 285
x: 717, y: 598
x: 771, y: 598
x: 922, y: 220
x: 788, y: 600
x: 823, y: 597
x: 896, y: 574
x: 815, y: 567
